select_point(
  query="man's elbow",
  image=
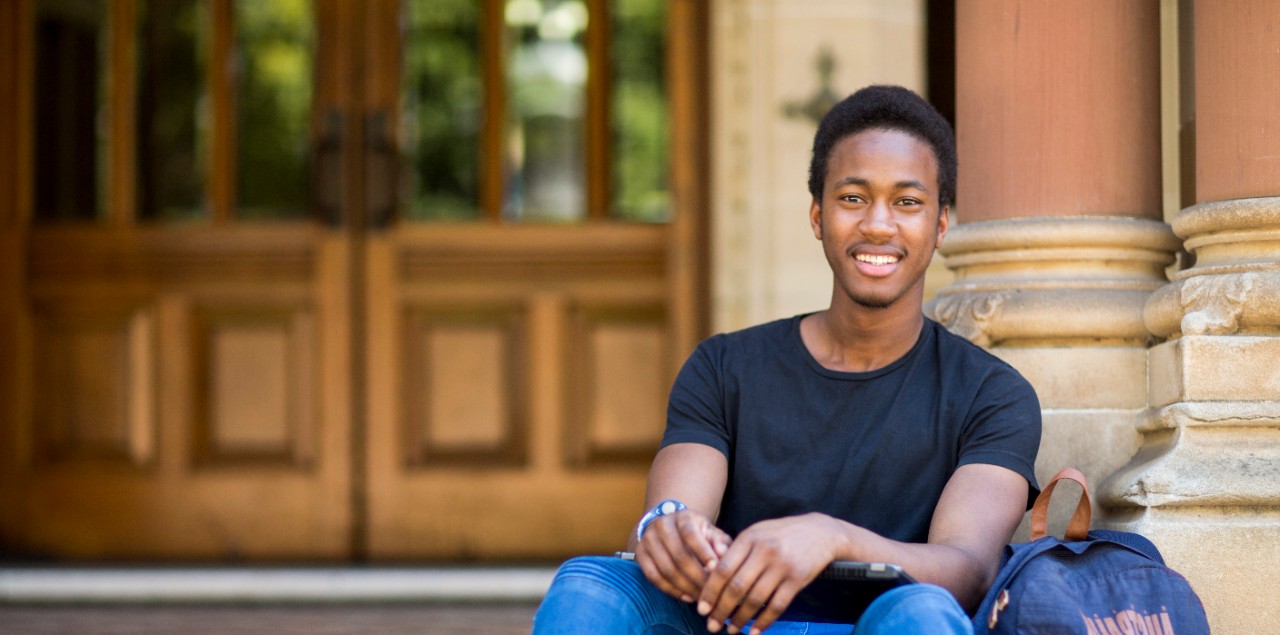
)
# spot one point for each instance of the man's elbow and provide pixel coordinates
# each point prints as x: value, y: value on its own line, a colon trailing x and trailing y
x: 976, y: 576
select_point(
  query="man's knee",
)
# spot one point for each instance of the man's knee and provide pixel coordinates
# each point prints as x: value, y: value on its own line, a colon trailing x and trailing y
x: 600, y: 572
x: 924, y: 596
x: 595, y: 591
x: 611, y: 581
x: 915, y: 608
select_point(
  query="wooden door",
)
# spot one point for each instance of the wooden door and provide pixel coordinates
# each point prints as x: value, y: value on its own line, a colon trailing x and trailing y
x: 286, y: 335
x: 519, y: 358
x: 177, y: 322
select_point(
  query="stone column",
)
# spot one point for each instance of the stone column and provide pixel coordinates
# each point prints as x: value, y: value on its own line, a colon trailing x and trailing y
x: 1059, y: 241
x: 1206, y: 484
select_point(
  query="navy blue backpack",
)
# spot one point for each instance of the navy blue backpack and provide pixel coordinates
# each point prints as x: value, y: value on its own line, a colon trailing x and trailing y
x: 1091, y: 582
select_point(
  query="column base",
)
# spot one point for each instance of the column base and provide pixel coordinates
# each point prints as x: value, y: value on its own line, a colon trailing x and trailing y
x: 1061, y: 300
x: 1205, y: 486
x: 1229, y: 555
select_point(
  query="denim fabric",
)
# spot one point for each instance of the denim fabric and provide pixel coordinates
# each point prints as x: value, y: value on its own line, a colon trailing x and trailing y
x: 915, y: 608
x: 593, y: 595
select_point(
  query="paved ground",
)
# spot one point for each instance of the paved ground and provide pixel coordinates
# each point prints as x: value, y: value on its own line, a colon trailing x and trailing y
x: 329, y: 619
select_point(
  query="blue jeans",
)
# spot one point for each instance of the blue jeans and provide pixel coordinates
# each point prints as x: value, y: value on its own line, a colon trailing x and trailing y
x: 609, y: 595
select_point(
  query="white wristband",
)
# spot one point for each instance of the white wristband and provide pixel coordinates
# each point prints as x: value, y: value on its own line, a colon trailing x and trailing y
x: 669, y: 506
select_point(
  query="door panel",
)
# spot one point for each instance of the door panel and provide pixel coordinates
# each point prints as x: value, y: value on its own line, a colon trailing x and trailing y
x: 178, y: 395
x: 502, y: 361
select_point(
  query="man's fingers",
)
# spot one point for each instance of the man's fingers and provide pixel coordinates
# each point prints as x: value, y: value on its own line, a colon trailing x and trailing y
x: 719, y: 540
x: 725, y: 567
x: 694, y: 532
x: 672, y: 559
x: 653, y: 572
x: 757, y: 597
x: 684, y: 560
x: 776, y: 605
x: 727, y: 584
x: 736, y: 589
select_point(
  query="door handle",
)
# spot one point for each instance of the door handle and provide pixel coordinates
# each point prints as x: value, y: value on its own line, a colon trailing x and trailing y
x: 382, y: 171
x: 327, y: 170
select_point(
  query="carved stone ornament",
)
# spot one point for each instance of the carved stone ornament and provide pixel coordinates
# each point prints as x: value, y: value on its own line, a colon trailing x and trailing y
x: 969, y: 315
x: 1213, y: 304
x: 1234, y: 286
x: 1041, y: 280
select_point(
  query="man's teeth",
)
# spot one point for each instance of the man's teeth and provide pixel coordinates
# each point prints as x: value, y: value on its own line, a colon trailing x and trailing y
x: 876, y: 260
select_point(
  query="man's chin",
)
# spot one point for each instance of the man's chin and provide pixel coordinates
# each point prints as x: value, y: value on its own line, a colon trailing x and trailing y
x: 874, y: 302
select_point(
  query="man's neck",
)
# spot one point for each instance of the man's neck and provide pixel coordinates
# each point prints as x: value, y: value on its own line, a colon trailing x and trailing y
x: 860, y: 339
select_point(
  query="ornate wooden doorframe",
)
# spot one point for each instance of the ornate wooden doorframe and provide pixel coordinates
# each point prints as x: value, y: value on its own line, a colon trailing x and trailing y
x: 352, y: 384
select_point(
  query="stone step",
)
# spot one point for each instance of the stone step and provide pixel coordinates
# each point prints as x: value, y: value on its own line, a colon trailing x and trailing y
x: 273, y: 585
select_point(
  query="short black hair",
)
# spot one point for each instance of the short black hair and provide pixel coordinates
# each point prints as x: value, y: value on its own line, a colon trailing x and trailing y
x: 886, y: 108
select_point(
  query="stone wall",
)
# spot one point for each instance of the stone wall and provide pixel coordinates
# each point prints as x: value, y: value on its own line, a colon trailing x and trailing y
x: 775, y: 63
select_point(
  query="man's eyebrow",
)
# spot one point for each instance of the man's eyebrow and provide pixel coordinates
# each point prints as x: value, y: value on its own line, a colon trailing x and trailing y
x: 900, y: 185
x: 852, y: 180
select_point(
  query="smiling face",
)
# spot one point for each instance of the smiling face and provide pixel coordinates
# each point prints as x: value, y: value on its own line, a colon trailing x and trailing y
x: 879, y: 219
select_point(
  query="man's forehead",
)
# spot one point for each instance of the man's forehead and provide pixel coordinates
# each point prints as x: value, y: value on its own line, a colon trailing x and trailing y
x: 884, y: 140
x: 881, y: 134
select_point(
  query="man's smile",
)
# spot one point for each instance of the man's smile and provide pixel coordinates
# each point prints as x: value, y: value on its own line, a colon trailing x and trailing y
x: 876, y: 261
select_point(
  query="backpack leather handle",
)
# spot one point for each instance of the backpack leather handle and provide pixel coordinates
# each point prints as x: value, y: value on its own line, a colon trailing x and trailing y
x: 1078, y: 528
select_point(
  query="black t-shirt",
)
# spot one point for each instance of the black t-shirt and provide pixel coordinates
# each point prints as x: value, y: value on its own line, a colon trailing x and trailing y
x: 873, y: 448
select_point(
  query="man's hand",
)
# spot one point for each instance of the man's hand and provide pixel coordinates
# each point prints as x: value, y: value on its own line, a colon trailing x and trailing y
x: 764, y: 569
x: 678, y: 550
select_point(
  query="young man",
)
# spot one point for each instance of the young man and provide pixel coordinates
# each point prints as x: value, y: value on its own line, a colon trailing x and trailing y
x: 862, y: 432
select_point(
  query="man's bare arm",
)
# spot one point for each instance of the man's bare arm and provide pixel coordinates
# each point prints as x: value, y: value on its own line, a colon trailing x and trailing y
x: 974, y: 520
x: 677, y: 550
x: 771, y: 561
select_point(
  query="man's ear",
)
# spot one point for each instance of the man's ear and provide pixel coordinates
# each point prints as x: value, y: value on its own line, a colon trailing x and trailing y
x: 944, y: 221
x: 815, y: 218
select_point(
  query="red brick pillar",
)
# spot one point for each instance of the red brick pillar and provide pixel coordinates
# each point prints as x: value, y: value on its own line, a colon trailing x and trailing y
x: 1058, y: 108
x: 1237, y: 84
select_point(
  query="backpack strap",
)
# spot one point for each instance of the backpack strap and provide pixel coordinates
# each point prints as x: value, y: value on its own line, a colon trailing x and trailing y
x: 1078, y: 528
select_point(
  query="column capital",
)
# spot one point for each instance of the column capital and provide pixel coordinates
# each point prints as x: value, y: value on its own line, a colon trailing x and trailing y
x: 1078, y: 279
x: 1234, y: 287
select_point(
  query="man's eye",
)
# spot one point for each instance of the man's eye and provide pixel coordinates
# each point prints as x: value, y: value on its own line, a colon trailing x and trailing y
x: 851, y: 198
x: 909, y: 201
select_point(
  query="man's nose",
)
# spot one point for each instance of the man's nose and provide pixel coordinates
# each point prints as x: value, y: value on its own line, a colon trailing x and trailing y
x: 879, y: 221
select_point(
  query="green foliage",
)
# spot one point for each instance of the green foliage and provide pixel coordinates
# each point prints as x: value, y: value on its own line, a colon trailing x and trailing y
x: 442, y: 105
x: 275, y: 44
x: 641, y: 151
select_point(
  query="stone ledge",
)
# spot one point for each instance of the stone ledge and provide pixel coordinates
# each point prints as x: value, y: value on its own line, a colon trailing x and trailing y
x: 1249, y: 414
x: 1200, y: 467
x: 272, y: 585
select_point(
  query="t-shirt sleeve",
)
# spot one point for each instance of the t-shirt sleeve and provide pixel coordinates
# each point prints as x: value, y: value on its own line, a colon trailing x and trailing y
x: 696, y: 408
x: 1003, y: 426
